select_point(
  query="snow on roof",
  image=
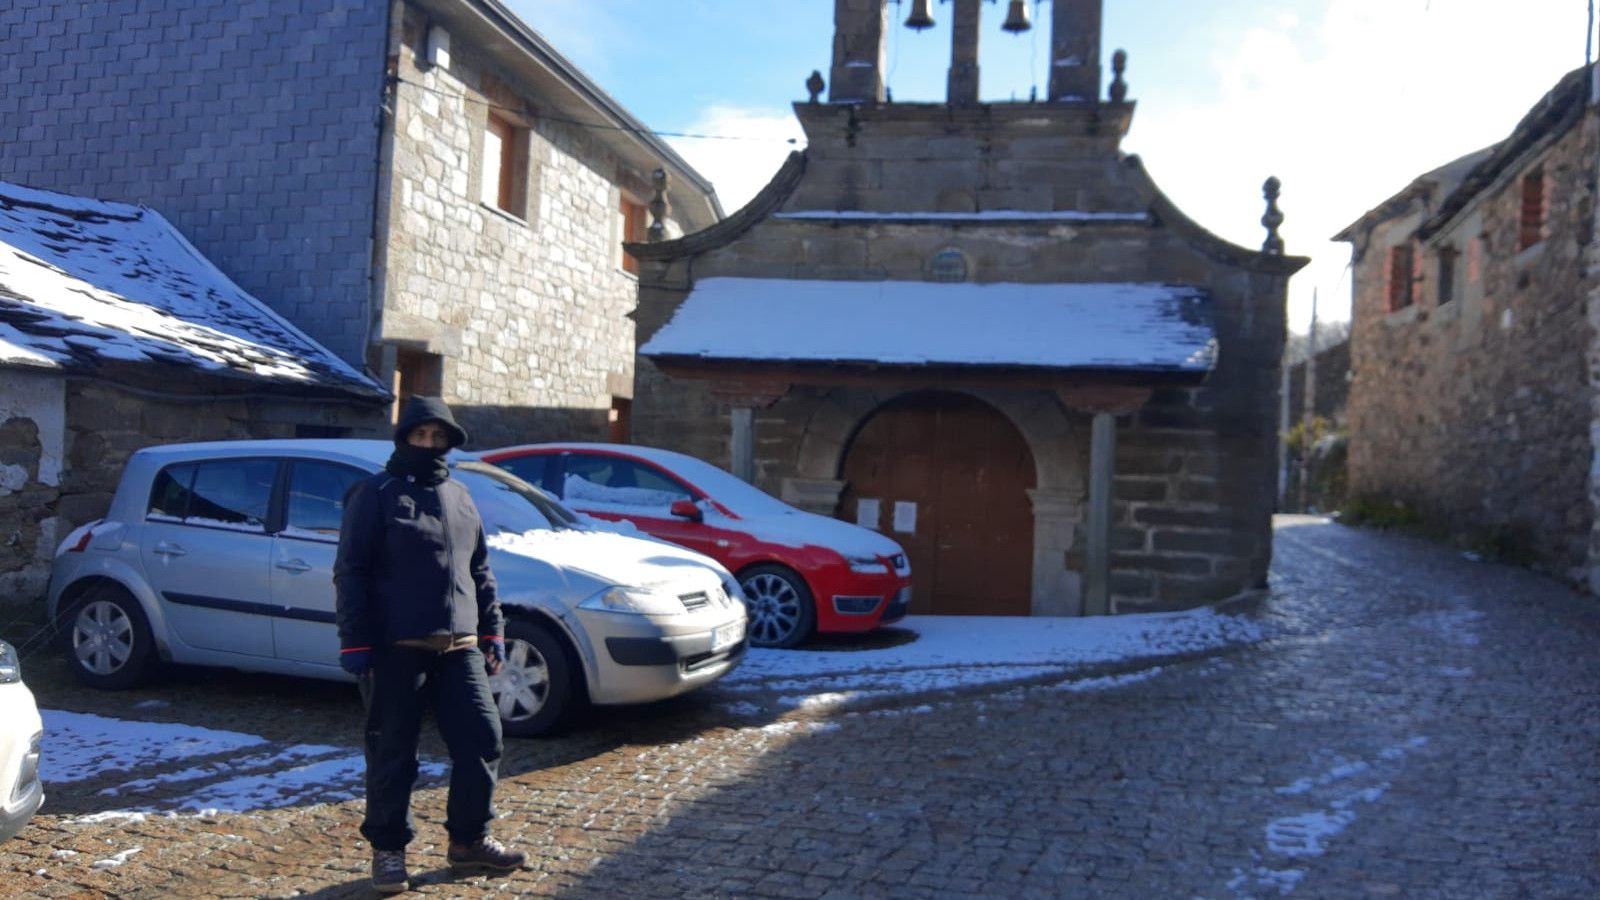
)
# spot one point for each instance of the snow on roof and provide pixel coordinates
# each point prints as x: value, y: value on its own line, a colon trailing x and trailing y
x: 84, y: 281
x: 988, y: 215
x: 1151, y: 327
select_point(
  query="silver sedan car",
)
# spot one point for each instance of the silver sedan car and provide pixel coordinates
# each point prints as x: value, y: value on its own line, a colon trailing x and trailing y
x: 221, y: 554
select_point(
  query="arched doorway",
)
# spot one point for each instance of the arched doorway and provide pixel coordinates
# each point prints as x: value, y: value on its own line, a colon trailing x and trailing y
x: 949, y: 476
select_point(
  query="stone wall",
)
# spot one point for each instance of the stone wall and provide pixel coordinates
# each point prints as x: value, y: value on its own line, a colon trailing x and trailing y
x: 63, y: 444
x: 1333, y: 384
x: 528, y: 311
x: 251, y: 126
x: 1477, y: 411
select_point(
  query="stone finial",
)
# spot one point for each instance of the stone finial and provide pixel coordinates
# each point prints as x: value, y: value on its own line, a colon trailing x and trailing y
x: 659, y: 207
x: 1119, y: 88
x: 814, y: 85
x: 1272, y: 218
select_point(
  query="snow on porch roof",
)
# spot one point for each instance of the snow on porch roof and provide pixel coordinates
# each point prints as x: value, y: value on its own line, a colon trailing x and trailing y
x: 86, y: 281
x: 1103, y: 326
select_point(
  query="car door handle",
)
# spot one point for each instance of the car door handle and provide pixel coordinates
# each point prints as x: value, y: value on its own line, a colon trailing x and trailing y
x: 167, y: 549
x: 293, y: 565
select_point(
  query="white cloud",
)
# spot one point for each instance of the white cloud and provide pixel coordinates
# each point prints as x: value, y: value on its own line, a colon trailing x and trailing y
x: 742, y: 165
x: 1347, y: 107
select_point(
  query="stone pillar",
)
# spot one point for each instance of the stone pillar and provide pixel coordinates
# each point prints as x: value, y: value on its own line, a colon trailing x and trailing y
x: 1097, y: 537
x: 1057, y: 591
x: 963, y: 84
x: 743, y: 443
x: 1075, y: 50
x: 858, y: 51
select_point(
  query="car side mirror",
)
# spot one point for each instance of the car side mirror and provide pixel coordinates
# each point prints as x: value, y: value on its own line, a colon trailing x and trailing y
x: 687, y: 509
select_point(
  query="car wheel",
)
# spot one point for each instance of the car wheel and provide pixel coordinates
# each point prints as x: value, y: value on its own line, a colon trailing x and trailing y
x: 534, y: 689
x: 109, y: 644
x: 779, y: 605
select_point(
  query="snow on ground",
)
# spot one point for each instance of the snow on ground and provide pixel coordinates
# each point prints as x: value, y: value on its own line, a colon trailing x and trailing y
x: 964, y: 651
x: 171, y: 768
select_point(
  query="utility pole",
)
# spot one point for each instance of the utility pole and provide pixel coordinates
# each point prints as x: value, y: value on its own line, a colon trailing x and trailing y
x: 1309, y: 410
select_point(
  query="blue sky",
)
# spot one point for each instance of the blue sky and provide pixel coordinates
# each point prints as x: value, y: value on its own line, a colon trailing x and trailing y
x: 1344, y: 100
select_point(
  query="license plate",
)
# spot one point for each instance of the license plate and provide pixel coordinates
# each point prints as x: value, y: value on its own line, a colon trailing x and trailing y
x: 726, y: 636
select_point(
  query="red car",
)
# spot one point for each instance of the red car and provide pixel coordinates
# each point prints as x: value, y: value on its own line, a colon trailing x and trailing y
x: 800, y: 572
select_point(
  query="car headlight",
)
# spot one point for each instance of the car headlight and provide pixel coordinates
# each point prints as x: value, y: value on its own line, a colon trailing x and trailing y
x: 867, y: 565
x: 634, y: 600
x: 10, y: 664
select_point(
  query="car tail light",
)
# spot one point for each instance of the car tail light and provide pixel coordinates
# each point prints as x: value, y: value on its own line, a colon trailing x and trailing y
x: 82, y: 543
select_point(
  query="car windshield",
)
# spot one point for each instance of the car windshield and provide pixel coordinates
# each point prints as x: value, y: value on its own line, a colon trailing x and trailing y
x: 509, y: 505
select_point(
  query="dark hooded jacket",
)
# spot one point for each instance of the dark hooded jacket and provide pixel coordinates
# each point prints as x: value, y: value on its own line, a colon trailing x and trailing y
x: 412, y: 560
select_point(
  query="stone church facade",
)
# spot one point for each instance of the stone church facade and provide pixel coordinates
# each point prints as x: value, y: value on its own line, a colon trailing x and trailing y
x: 1093, y: 473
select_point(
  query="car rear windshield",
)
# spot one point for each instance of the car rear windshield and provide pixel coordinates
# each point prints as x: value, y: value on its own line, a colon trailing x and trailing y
x: 507, y: 504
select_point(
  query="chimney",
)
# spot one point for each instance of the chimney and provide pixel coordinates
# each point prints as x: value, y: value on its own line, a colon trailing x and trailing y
x: 963, y: 86
x: 858, y: 30
x: 1075, y: 50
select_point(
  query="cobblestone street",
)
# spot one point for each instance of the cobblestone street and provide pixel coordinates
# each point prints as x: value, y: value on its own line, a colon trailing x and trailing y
x: 1418, y: 725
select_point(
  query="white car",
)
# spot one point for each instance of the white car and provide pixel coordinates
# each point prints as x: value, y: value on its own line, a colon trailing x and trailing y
x: 222, y: 554
x: 20, y: 732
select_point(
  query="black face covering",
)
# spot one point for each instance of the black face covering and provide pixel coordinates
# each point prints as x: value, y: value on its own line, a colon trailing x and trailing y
x: 424, y: 465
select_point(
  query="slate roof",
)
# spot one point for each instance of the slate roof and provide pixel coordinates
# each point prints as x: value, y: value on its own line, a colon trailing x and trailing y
x: 86, y: 283
x: 1133, y: 327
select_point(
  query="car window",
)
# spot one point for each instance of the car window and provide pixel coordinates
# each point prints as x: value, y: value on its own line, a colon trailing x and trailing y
x: 232, y: 493
x: 316, y: 496
x: 169, y: 495
x: 505, y: 504
x: 528, y: 468
x: 614, y: 481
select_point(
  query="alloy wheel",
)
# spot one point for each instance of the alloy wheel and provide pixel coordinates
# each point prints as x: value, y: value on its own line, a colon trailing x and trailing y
x: 774, y: 607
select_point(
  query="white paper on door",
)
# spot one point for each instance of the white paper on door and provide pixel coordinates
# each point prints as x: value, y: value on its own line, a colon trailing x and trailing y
x: 867, y: 512
x: 905, y: 517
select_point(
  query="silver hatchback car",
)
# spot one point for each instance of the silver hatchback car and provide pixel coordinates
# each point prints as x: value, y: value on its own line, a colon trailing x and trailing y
x: 221, y: 554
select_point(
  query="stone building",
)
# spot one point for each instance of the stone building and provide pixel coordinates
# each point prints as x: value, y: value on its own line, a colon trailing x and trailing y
x: 115, y: 333
x: 1473, y: 398
x: 426, y: 187
x: 982, y: 329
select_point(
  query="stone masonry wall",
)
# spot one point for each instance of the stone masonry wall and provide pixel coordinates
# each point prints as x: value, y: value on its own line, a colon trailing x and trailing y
x: 72, y: 458
x: 250, y: 125
x: 1195, y: 468
x: 1477, y: 411
x: 528, y: 312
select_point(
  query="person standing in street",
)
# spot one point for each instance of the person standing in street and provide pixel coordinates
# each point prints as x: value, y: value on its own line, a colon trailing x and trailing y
x: 420, y: 626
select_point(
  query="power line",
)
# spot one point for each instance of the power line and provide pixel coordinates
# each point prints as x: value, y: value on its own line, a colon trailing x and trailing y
x: 599, y: 126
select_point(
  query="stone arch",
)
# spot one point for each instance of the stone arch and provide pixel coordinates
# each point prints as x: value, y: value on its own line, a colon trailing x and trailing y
x: 1057, y: 438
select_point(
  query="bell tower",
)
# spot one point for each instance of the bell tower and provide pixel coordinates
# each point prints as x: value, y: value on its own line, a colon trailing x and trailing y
x: 860, y: 30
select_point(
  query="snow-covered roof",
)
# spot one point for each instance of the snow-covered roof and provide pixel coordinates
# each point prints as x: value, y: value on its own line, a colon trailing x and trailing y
x: 84, y: 281
x: 1133, y: 326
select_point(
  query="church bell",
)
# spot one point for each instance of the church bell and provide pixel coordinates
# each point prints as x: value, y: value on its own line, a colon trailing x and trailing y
x: 921, y: 15
x: 1016, y: 17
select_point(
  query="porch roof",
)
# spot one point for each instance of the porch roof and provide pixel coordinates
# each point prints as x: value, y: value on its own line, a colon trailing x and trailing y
x: 1102, y: 327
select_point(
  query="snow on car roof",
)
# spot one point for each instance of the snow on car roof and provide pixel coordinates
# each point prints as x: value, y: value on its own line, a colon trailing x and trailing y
x: 86, y: 281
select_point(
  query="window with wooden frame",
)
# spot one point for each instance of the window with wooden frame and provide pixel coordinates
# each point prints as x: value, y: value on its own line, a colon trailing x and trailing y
x: 633, y: 230
x: 1534, y: 209
x: 1400, y: 277
x: 415, y: 372
x: 504, y: 173
x: 1447, y: 275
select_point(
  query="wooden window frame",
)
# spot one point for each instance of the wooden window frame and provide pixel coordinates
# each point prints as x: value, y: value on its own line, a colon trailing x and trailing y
x: 505, y: 179
x: 635, y: 228
x: 1446, y: 292
x: 1533, y: 210
x: 1398, y: 290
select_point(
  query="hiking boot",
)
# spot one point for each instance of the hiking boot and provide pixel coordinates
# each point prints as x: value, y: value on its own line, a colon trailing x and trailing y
x: 389, y: 871
x: 487, y: 855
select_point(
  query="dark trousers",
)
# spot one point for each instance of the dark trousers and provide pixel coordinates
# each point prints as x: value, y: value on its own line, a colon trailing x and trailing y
x: 402, y: 683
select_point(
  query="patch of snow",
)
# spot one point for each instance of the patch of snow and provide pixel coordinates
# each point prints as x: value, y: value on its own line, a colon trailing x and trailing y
x: 82, y: 746
x: 116, y: 860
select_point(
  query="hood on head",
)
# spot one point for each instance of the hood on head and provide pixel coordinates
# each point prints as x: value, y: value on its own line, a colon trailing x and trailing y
x: 419, y: 409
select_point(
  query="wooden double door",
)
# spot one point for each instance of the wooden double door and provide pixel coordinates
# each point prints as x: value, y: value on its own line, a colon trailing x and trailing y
x: 946, y: 475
